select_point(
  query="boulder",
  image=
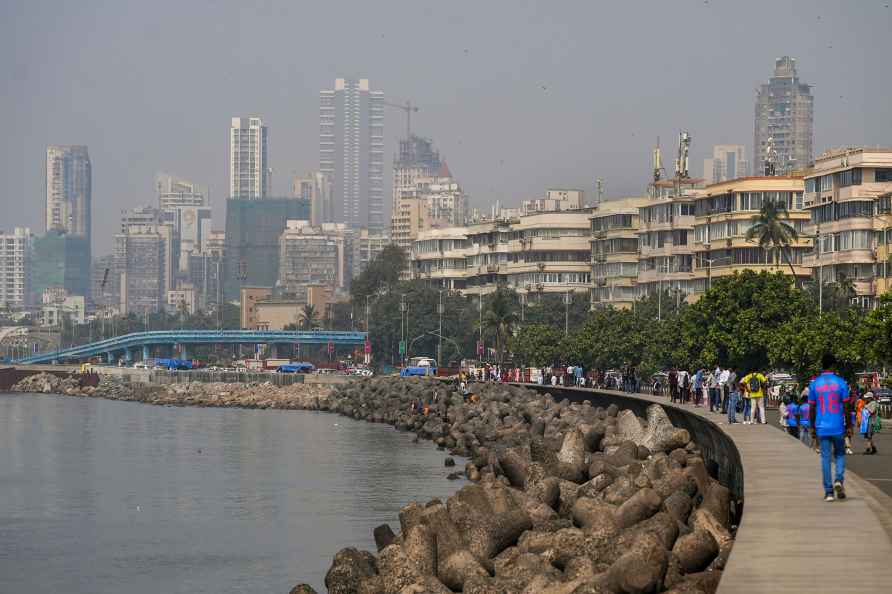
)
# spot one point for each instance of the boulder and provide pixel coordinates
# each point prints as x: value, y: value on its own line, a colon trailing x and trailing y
x: 571, y: 457
x: 302, y: 589
x: 420, y: 546
x: 384, y: 536
x: 396, y: 569
x: 640, y: 506
x: 695, y: 551
x: 641, y: 569
x: 455, y: 569
x: 427, y: 585
x: 678, y: 505
x: 349, y: 568
x: 589, y: 513
x: 488, y: 517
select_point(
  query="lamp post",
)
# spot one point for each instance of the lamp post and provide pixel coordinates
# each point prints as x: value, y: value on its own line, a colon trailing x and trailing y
x: 440, y: 329
x: 567, y: 312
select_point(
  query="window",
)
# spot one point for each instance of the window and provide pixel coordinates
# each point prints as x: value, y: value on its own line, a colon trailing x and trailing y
x: 882, y: 175
x: 811, y: 185
x: 825, y: 183
x: 849, y: 177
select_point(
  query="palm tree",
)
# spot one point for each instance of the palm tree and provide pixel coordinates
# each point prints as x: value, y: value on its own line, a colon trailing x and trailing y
x: 499, y: 320
x: 773, y: 231
x: 307, y: 317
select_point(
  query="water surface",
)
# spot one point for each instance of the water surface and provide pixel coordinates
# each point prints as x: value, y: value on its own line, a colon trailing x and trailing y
x: 98, y: 496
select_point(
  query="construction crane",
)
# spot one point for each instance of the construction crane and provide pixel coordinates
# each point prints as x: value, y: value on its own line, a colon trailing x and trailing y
x: 408, y: 108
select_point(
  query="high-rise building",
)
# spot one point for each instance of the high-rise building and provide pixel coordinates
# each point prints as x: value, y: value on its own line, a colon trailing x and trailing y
x: 351, y: 151
x: 316, y: 188
x: 366, y: 247
x: 310, y: 255
x: 250, y: 175
x: 436, y: 201
x: 184, y: 205
x: 68, y: 189
x: 253, y: 228
x: 15, y: 268
x: 105, y: 283
x: 61, y: 260
x: 69, y: 212
x: 146, y: 259
x: 728, y: 161
x: 785, y: 115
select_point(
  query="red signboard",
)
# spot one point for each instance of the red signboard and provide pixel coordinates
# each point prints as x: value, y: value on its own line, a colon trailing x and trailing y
x: 367, y: 348
x: 330, y: 347
x: 479, y: 347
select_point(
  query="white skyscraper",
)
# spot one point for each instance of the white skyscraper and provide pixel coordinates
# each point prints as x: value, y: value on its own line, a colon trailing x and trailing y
x: 351, y: 151
x: 728, y: 162
x: 249, y: 170
x: 68, y: 189
x: 15, y: 268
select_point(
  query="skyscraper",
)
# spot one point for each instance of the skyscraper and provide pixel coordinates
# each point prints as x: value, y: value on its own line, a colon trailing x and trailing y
x: 316, y: 188
x: 728, y: 161
x: 68, y: 189
x: 784, y: 114
x: 351, y: 151
x: 249, y: 171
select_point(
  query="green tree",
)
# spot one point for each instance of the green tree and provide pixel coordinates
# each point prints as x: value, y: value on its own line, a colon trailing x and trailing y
x: 500, y: 316
x: 536, y: 344
x: 800, y: 342
x: 307, y: 317
x: 773, y: 232
x: 735, y: 320
x: 875, y: 333
x: 381, y: 276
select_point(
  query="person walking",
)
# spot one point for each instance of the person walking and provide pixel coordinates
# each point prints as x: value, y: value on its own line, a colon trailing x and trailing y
x: 685, y: 382
x: 732, y: 397
x: 673, y: 385
x: 698, y: 386
x: 724, y: 382
x: 868, y: 422
x: 828, y: 398
x: 805, y: 423
x: 755, y: 387
x: 793, y: 417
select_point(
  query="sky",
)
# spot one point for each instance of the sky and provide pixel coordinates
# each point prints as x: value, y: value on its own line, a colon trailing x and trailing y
x: 518, y: 96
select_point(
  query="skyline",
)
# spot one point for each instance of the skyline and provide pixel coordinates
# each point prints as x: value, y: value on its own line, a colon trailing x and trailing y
x: 513, y: 113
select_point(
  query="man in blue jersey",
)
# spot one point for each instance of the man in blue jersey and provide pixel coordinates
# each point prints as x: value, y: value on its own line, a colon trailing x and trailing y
x: 828, y: 399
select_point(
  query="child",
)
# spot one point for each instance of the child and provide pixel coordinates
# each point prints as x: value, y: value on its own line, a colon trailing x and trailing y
x: 793, y: 418
x: 805, y: 423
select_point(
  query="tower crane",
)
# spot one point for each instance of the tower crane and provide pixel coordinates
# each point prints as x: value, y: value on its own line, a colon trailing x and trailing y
x: 407, y: 107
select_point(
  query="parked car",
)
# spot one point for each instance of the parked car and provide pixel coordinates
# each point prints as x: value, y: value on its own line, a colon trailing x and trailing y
x: 883, y: 395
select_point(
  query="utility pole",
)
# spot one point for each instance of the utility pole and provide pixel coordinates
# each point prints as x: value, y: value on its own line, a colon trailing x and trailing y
x: 402, y: 329
x: 368, y: 322
x: 567, y: 313
x: 480, y: 324
x: 820, y: 274
x: 440, y: 331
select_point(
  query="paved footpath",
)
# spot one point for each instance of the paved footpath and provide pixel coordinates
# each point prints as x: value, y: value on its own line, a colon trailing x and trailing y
x: 789, y: 539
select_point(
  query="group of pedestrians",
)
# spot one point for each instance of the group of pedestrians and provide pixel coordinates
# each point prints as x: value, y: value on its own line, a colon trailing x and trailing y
x: 722, y: 391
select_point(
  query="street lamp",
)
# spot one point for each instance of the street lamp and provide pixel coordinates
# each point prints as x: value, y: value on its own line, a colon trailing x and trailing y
x: 440, y: 330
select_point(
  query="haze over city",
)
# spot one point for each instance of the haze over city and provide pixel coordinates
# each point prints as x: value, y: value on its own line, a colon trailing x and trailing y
x: 518, y: 97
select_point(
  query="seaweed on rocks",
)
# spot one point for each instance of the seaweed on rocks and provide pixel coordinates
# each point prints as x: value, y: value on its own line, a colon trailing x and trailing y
x: 566, y: 498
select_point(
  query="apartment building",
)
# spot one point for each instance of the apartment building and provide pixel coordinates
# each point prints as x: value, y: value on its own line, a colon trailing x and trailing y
x: 534, y: 254
x: 15, y: 268
x: 724, y: 213
x: 613, y: 235
x: 847, y: 195
x: 666, y: 245
x: 310, y: 255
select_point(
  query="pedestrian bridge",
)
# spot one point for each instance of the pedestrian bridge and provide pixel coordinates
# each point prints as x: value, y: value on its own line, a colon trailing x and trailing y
x: 128, y: 344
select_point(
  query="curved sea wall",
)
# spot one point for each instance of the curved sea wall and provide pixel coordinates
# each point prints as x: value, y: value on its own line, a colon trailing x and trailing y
x: 570, y: 497
x: 718, y: 448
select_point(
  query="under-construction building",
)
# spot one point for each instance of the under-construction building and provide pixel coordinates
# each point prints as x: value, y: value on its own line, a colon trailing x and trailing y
x: 785, y: 120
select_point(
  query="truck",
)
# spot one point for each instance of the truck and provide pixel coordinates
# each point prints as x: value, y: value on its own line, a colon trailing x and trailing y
x: 175, y: 364
x: 421, y: 366
x: 296, y: 367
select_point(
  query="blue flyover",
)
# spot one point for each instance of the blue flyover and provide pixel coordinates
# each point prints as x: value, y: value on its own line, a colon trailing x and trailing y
x: 127, y: 344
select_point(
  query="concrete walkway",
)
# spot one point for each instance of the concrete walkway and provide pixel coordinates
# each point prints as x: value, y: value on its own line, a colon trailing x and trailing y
x: 789, y: 540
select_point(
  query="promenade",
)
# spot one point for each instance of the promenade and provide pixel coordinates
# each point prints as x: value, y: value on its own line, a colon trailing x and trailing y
x: 790, y: 540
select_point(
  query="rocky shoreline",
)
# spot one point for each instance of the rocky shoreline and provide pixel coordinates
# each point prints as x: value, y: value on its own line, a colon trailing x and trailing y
x: 213, y: 395
x: 567, y: 498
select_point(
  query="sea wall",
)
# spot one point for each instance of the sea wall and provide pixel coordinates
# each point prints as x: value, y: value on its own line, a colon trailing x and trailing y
x: 570, y: 497
x: 718, y: 449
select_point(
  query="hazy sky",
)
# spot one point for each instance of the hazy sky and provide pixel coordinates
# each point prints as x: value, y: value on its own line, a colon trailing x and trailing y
x: 518, y: 96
